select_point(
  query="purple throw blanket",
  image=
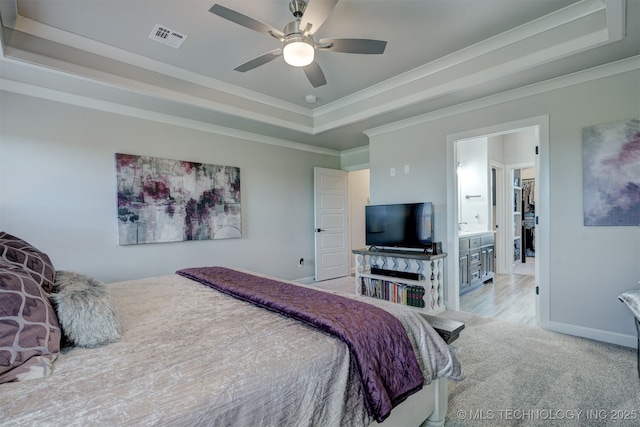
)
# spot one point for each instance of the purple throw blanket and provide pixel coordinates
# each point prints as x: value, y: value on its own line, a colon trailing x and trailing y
x: 388, y: 368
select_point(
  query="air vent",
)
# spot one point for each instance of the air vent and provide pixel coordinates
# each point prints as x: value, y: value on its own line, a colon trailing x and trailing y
x: 167, y: 36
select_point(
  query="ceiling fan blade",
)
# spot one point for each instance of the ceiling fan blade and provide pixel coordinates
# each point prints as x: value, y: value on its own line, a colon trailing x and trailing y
x: 260, y: 60
x: 365, y: 46
x: 315, y: 75
x: 316, y: 13
x: 244, y: 20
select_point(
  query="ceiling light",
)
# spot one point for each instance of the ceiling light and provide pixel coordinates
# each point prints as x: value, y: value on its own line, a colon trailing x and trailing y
x: 298, y: 51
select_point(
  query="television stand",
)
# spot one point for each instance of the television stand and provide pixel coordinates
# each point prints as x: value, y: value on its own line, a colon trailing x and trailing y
x: 397, y: 251
x: 411, y: 278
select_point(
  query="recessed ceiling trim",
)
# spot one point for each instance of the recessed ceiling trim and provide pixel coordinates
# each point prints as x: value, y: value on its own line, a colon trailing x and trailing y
x: 618, y: 67
x: 554, y: 20
x: 140, y: 113
x: 322, y: 117
x: 38, y: 29
x: 83, y: 67
x: 616, y: 19
x: 464, y: 75
x: 8, y: 13
x: 416, y: 86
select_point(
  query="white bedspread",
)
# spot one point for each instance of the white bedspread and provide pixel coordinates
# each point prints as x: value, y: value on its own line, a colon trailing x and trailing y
x: 192, y: 356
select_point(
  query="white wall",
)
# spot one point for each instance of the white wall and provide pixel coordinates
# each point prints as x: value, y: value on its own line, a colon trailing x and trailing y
x: 473, y: 181
x: 496, y: 148
x: 57, y: 182
x: 519, y: 147
x: 589, y: 266
x: 358, y: 199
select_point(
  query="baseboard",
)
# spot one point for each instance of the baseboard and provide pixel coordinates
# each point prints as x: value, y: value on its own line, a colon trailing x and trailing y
x: 306, y: 280
x: 594, y: 334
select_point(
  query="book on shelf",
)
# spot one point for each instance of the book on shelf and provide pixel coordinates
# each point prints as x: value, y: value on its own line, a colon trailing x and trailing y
x: 389, y: 290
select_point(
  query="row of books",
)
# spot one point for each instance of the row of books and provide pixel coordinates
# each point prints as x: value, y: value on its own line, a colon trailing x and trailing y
x: 391, y: 291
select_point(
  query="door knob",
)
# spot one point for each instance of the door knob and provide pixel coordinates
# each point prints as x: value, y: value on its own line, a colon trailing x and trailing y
x: 318, y: 230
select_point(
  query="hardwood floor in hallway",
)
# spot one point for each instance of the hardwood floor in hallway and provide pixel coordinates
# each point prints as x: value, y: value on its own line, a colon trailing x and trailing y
x: 509, y: 297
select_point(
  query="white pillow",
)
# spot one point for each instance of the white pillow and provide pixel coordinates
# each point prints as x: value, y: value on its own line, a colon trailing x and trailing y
x: 86, y: 312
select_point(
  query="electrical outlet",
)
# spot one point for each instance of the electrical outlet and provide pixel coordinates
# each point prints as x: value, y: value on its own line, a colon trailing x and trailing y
x: 301, y: 262
x: 392, y: 172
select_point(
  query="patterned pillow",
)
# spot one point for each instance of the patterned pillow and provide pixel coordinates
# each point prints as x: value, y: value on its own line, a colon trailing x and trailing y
x: 29, y: 331
x: 18, y: 252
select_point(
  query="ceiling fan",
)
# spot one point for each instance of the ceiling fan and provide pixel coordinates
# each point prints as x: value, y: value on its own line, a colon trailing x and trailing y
x: 298, y: 46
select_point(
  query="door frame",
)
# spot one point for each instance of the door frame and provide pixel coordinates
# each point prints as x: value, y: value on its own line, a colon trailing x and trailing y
x: 499, y: 218
x: 508, y: 258
x: 541, y: 126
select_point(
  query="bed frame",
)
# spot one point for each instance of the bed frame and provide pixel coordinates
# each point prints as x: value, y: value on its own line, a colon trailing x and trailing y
x: 428, y: 407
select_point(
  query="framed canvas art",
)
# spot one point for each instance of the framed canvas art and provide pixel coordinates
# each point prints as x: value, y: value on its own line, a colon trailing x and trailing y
x: 611, y: 173
x: 162, y: 200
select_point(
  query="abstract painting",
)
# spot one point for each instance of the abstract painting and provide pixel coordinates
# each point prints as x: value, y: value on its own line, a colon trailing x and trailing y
x: 611, y: 173
x: 162, y: 200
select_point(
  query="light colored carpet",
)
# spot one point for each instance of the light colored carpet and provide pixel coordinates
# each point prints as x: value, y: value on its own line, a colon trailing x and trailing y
x: 522, y: 375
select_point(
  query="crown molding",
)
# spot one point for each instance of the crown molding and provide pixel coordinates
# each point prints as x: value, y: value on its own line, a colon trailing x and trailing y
x: 514, y: 50
x: 86, y: 65
x: 618, y: 67
x: 357, y: 150
x: 354, y: 168
x: 62, y: 37
x: 578, y: 27
x: 561, y: 17
x: 140, y: 113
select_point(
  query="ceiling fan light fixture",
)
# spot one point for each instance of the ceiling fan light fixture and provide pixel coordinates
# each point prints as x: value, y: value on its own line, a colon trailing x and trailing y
x: 298, y: 51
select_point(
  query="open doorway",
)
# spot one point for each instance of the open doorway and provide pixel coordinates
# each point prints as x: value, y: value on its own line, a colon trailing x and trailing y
x: 491, y: 227
x: 510, y: 294
x: 502, y: 212
x: 524, y: 194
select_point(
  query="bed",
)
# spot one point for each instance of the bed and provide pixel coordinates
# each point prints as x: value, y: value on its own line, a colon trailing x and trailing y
x: 192, y: 355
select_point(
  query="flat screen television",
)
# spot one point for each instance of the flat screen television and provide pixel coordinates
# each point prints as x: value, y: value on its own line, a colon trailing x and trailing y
x: 407, y: 225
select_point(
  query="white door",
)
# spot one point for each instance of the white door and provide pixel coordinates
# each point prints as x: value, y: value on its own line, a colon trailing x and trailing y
x: 331, y: 223
x: 500, y: 222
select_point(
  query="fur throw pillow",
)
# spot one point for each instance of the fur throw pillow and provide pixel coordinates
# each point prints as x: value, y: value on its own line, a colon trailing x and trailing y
x: 86, y: 312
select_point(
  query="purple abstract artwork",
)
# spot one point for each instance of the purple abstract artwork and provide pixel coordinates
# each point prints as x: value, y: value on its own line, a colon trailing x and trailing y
x: 611, y: 173
x: 162, y: 200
